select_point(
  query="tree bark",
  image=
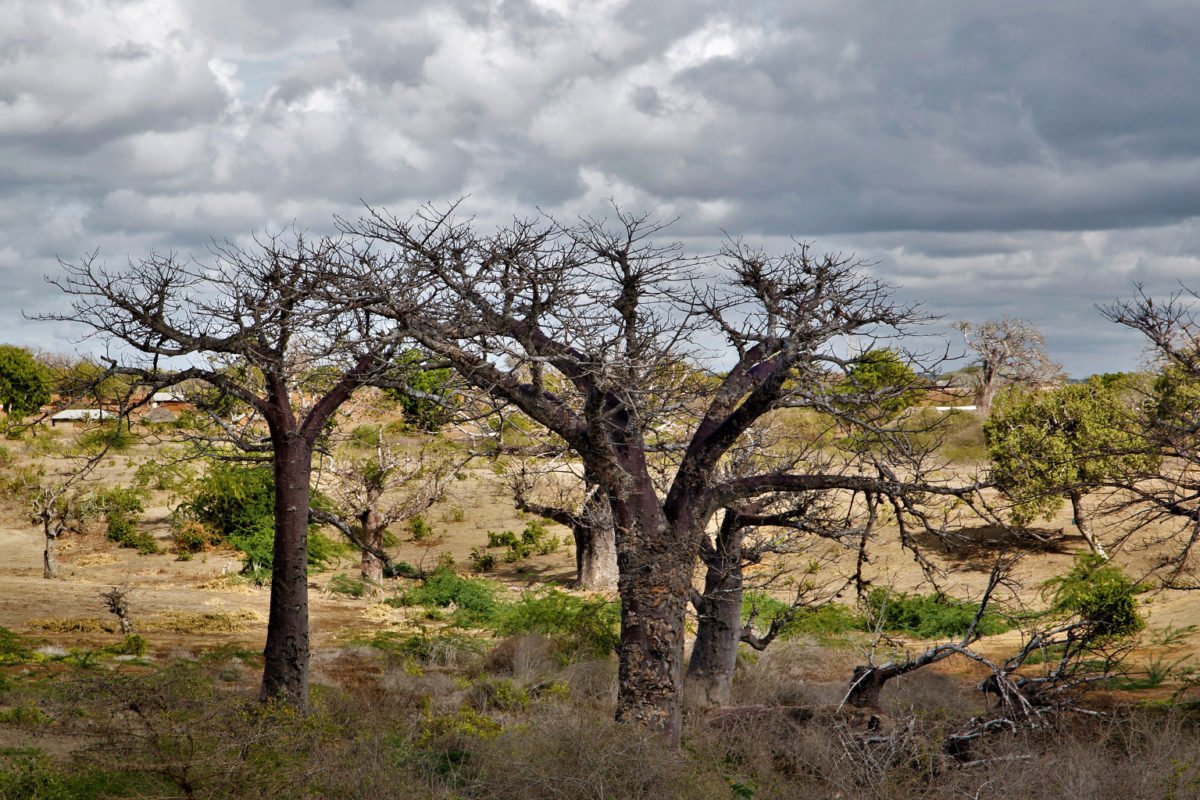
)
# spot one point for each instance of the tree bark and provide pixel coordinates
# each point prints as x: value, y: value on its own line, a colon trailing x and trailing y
x: 719, y: 627
x: 285, y: 672
x: 595, y: 546
x: 49, y: 562
x: 372, y: 565
x: 655, y: 566
x: 1083, y: 526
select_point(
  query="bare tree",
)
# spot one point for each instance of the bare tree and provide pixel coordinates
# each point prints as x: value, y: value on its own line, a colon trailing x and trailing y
x: 263, y: 326
x: 393, y: 484
x: 588, y: 329
x: 1163, y: 501
x: 1008, y: 351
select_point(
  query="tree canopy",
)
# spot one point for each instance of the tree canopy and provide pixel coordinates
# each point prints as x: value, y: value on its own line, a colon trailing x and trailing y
x: 24, y: 382
x: 1047, y: 446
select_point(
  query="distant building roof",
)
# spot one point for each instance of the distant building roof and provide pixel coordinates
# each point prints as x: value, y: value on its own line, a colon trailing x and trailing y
x: 81, y: 414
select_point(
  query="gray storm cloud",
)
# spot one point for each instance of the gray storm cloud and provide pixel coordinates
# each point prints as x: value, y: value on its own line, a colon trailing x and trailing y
x: 999, y: 159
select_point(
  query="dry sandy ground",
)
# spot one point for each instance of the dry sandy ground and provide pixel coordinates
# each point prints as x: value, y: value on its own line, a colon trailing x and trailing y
x: 161, y: 585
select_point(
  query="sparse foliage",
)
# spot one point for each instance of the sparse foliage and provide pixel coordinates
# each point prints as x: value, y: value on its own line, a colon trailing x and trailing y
x: 1008, y: 351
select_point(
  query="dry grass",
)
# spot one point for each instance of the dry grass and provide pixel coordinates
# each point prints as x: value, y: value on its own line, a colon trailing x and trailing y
x: 175, y: 621
x: 73, y: 625
x: 95, y: 560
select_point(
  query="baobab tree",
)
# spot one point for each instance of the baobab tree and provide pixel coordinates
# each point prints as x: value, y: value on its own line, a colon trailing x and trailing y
x: 1007, y: 351
x: 584, y: 328
x: 550, y: 486
x: 262, y: 325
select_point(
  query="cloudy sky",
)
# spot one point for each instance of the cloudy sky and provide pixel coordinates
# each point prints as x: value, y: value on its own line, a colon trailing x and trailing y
x: 1019, y: 158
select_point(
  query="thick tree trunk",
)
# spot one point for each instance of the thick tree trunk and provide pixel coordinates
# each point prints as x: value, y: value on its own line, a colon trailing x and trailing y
x: 719, y: 625
x: 655, y: 582
x: 285, y: 673
x: 1083, y: 526
x: 596, y: 546
x: 372, y: 565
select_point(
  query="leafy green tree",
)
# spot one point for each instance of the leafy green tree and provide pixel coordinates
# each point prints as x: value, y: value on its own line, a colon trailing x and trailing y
x: 1047, y: 447
x: 427, y: 396
x: 24, y: 382
x: 883, y: 380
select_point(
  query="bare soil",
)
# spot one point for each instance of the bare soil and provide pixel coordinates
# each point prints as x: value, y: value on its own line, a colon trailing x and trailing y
x: 64, y: 612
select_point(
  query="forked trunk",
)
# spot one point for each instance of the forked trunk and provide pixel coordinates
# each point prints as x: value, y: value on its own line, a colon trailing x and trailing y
x: 1084, y: 528
x: 655, y: 581
x: 596, y: 547
x: 285, y: 672
x: 719, y: 621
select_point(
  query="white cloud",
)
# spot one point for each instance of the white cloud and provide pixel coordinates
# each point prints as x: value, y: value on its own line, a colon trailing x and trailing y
x: 1023, y: 159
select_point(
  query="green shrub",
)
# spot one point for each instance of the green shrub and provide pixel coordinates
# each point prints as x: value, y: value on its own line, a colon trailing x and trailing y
x: 827, y: 619
x: 583, y: 627
x: 445, y: 648
x: 1099, y: 594
x: 114, y: 435
x: 475, y: 600
x: 189, y: 536
x: 133, y: 644
x: 237, y: 503
x: 498, y: 694
x: 365, y: 436
x: 344, y: 584
x: 535, y: 539
x: 120, y: 505
x: 14, y: 649
x: 419, y: 530
x: 482, y: 560
x: 929, y: 616
x: 401, y: 569
x: 32, y: 775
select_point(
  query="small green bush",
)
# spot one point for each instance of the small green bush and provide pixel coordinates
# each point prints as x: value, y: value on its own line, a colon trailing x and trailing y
x: 344, y: 584
x: 827, y: 619
x: 133, y: 644
x: 120, y: 505
x: 481, y: 559
x: 1099, y: 594
x: 535, y: 539
x: 929, y: 616
x: 419, y: 530
x: 401, y: 569
x: 583, y: 627
x: 237, y: 503
x: 475, y: 600
x: 115, y: 436
x: 365, y: 436
x: 445, y: 648
x: 14, y: 649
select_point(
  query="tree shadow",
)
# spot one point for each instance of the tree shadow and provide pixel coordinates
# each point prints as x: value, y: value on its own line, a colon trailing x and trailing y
x: 976, y: 547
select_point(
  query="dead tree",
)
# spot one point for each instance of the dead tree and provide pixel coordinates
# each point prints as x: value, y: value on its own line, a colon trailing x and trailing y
x: 262, y: 326
x: 591, y: 331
